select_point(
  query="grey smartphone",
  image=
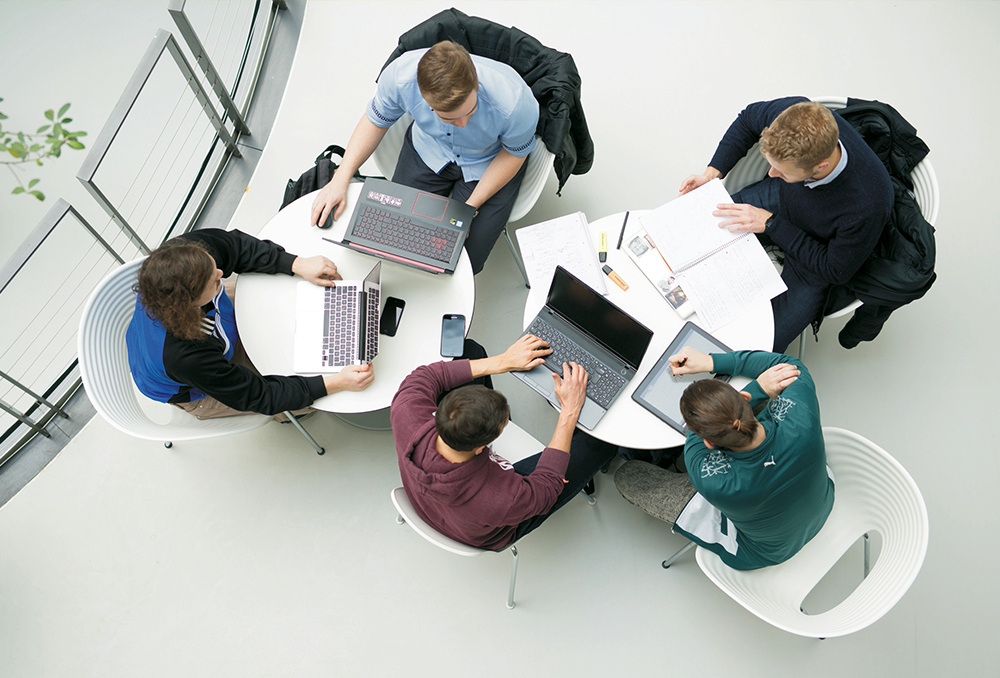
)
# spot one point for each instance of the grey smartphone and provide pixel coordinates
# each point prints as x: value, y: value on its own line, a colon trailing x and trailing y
x: 452, y: 335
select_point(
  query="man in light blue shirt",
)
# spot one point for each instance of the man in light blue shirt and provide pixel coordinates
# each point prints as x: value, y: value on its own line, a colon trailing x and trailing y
x: 473, y: 127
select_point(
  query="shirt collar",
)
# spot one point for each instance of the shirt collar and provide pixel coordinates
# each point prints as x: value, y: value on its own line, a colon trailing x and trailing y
x: 813, y: 183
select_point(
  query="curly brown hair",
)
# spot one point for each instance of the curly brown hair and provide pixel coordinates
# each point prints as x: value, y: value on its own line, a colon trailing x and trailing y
x: 170, y: 282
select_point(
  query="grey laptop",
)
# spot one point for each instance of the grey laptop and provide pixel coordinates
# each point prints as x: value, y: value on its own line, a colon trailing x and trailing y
x: 583, y: 327
x: 409, y: 226
x: 336, y: 326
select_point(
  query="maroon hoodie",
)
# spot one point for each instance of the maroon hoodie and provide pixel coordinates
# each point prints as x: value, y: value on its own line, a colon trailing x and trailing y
x: 478, y: 502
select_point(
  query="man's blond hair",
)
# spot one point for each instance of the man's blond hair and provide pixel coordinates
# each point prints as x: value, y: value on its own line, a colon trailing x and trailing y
x: 446, y: 76
x: 805, y: 134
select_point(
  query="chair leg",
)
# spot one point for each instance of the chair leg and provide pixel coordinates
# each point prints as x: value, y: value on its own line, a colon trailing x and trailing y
x: 670, y: 561
x: 867, y: 555
x: 513, y: 577
x: 802, y: 345
x: 517, y: 258
x: 304, y: 432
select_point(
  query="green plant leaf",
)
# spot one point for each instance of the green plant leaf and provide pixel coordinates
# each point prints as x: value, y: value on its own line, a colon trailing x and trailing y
x: 65, y: 120
x: 73, y: 143
x: 33, y: 182
x: 77, y: 134
x: 19, y: 147
x: 35, y: 148
x: 13, y: 151
x: 42, y: 129
x: 2, y: 116
x: 17, y: 189
x: 50, y: 114
x: 62, y: 111
x: 38, y: 161
x: 38, y: 194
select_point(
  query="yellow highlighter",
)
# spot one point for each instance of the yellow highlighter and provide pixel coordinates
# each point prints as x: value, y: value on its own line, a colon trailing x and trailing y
x: 602, y: 247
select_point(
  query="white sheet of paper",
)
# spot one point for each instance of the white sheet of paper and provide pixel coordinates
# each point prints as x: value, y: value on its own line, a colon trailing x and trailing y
x: 684, y: 228
x: 564, y: 241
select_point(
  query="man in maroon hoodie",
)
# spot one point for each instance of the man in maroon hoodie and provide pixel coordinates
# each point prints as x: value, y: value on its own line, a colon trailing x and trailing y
x: 480, y: 499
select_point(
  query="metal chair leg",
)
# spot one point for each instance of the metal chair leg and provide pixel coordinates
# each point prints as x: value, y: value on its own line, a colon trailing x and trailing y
x: 517, y: 258
x: 867, y: 555
x: 802, y: 345
x: 304, y: 432
x: 670, y: 561
x: 513, y: 577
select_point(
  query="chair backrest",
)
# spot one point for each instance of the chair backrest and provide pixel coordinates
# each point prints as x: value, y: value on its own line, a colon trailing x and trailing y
x: 753, y: 167
x: 409, y: 515
x: 514, y: 444
x: 874, y: 493
x: 108, y: 380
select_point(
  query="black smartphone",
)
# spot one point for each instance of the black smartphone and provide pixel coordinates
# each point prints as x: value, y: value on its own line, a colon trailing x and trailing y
x: 388, y: 322
x: 452, y: 335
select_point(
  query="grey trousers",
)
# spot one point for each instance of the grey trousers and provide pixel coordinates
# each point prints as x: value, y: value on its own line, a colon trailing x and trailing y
x: 661, y: 493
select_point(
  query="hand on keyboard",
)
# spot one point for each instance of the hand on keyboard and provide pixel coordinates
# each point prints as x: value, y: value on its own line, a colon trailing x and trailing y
x: 571, y: 389
x: 318, y: 270
x: 525, y: 353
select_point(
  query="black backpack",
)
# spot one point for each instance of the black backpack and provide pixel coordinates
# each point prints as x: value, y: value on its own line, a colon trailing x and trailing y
x: 317, y: 176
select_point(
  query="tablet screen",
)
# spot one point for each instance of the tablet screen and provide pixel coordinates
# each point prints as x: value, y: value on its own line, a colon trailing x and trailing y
x: 660, y: 392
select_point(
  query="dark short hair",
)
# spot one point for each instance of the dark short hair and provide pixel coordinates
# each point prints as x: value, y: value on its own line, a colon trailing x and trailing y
x: 471, y: 416
x: 446, y: 76
x: 716, y: 412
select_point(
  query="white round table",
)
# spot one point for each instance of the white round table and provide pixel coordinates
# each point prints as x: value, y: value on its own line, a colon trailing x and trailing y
x: 265, y: 306
x: 627, y: 423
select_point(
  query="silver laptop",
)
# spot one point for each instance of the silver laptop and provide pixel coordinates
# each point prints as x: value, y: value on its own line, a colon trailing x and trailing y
x: 583, y: 327
x: 337, y: 326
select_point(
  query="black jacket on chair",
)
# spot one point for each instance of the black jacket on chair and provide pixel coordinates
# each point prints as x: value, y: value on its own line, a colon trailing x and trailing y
x: 901, y: 268
x: 551, y: 75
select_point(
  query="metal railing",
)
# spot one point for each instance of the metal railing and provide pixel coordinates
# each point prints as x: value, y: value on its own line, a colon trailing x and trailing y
x: 152, y: 169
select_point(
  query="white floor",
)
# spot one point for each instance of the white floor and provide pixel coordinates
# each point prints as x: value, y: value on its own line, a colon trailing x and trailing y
x: 252, y: 556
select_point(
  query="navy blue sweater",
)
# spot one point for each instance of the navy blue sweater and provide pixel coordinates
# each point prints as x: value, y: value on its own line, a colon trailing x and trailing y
x: 826, y: 232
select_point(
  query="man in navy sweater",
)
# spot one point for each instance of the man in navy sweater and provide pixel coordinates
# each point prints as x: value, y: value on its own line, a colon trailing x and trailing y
x: 824, y: 201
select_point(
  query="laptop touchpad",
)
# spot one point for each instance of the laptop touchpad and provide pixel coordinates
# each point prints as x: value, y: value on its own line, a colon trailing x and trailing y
x: 430, y: 206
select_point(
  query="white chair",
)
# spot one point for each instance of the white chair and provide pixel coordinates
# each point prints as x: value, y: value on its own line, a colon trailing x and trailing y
x: 108, y: 380
x: 540, y: 164
x: 513, y: 445
x: 873, y: 494
x: 753, y: 167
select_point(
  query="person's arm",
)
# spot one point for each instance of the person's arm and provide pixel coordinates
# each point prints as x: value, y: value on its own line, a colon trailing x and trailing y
x: 202, y: 365
x: 500, y: 171
x: 742, y: 134
x: 238, y: 252
x: 571, y: 390
x: 527, y: 352
x: 333, y: 196
x: 833, y: 262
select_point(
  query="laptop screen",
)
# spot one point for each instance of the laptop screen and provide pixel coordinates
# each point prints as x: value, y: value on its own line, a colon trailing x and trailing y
x: 616, y: 330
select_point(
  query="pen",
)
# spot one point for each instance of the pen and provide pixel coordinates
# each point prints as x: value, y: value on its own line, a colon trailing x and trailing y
x: 615, y: 277
x: 622, y: 234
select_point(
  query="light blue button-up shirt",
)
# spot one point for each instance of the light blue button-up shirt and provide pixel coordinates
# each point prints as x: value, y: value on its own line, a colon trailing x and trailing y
x: 505, y: 117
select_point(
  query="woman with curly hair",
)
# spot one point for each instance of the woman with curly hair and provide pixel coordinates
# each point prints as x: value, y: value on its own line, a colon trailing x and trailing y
x: 183, y: 345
